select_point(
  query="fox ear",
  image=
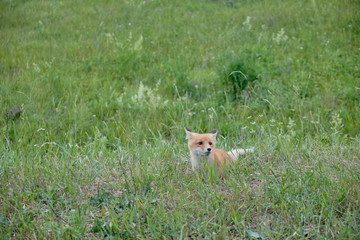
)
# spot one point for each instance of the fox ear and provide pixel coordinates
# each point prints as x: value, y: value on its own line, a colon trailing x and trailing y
x: 189, y: 133
x: 187, y: 130
x: 214, y: 132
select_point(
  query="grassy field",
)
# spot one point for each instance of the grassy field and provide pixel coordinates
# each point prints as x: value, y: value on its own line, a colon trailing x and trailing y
x: 95, y: 96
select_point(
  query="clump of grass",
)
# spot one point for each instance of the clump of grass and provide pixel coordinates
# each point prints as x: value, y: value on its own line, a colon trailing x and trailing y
x: 238, y: 76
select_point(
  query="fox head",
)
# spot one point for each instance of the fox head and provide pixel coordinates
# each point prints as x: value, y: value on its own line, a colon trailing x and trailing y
x: 201, y: 144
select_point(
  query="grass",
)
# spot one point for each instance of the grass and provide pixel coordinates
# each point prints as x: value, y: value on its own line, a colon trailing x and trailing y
x: 95, y: 95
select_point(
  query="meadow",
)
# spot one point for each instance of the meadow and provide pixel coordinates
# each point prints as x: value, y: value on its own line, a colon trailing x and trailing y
x: 95, y: 95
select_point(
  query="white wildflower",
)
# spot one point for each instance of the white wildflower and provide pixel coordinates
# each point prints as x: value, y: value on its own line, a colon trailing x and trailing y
x: 36, y: 67
x: 213, y: 114
x: 272, y: 122
x: 147, y: 96
x: 120, y: 99
x: 110, y: 38
x: 336, y: 123
x: 138, y: 44
x: 290, y: 126
x: 280, y: 36
x: 247, y: 23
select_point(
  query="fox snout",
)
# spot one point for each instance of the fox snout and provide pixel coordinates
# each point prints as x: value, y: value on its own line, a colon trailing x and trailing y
x: 207, y: 151
x: 203, y: 151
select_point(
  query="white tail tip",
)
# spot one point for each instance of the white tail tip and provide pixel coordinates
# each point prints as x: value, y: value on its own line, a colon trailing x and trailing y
x: 235, y: 153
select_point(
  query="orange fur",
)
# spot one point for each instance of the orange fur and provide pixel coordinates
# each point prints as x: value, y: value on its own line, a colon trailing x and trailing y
x: 202, y: 148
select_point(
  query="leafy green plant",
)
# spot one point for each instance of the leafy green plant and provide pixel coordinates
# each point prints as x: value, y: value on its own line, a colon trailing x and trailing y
x: 238, y: 76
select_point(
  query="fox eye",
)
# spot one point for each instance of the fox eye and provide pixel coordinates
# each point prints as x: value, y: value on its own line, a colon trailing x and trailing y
x: 210, y: 143
x: 200, y: 143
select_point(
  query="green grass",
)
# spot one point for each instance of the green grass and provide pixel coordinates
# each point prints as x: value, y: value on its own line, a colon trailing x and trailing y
x: 105, y: 88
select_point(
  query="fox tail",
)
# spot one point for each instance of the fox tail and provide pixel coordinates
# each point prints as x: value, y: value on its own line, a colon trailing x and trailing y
x: 235, y: 153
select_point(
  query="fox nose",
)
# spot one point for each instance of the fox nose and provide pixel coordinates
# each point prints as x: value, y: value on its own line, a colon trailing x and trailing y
x: 209, y: 149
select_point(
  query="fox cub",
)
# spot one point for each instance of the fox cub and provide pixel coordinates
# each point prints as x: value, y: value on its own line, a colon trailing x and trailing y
x: 202, y: 149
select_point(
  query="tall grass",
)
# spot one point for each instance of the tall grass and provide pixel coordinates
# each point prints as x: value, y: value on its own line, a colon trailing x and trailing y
x: 95, y: 95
